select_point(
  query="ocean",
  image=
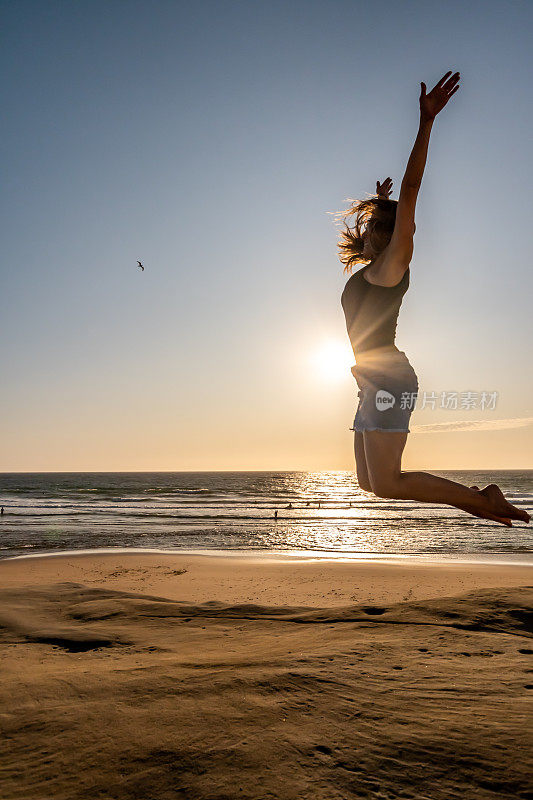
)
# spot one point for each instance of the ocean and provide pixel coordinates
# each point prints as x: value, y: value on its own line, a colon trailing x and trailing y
x: 318, y: 512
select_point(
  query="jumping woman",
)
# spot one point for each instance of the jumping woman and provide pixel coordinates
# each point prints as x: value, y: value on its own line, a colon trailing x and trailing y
x: 381, y: 238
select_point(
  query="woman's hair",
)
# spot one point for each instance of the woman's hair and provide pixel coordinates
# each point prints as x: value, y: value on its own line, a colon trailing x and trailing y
x: 377, y: 215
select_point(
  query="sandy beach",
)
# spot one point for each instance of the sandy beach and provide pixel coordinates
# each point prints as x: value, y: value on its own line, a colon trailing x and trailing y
x: 150, y: 675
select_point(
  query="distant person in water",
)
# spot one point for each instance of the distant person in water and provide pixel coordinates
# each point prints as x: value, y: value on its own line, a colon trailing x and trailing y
x: 276, y: 514
x: 381, y: 238
x: 2, y: 511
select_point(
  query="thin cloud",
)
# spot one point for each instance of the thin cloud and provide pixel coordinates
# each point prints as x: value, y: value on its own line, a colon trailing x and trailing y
x: 474, y: 425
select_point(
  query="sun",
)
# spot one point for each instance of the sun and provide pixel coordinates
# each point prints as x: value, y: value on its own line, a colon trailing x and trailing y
x: 332, y: 360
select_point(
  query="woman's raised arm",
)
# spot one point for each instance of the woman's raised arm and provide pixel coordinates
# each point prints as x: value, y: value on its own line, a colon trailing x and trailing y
x: 398, y: 253
x: 430, y: 105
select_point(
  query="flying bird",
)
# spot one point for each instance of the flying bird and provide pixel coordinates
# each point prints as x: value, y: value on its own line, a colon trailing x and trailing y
x: 140, y: 265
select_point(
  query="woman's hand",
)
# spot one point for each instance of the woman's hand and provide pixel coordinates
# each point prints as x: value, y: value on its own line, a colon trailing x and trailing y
x: 432, y: 103
x: 384, y: 189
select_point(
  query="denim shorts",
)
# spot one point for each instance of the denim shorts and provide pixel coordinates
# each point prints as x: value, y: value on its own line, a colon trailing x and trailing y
x: 388, y: 389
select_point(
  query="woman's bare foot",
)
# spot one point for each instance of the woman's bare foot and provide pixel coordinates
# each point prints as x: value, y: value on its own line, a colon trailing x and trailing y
x: 487, y: 515
x: 500, y: 507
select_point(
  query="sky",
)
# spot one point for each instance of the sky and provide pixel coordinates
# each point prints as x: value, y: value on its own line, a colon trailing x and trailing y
x: 213, y: 141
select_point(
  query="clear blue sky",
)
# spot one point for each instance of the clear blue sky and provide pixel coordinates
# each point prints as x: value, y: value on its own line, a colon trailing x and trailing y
x: 210, y: 140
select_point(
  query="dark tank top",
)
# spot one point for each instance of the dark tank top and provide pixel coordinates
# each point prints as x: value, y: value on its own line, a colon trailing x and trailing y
x: 372, y: 313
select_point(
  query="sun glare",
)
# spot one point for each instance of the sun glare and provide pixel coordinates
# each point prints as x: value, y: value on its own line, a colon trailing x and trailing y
x: 332, y: 360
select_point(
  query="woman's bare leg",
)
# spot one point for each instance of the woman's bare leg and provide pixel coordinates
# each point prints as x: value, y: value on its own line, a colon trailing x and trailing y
x: 383, y: 454
x: 361, y: 468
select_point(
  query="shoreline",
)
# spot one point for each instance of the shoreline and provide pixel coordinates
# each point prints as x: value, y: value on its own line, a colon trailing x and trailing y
x: 299, y: 556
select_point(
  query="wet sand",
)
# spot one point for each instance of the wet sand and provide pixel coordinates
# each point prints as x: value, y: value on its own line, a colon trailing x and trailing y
x: 181, y: 676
